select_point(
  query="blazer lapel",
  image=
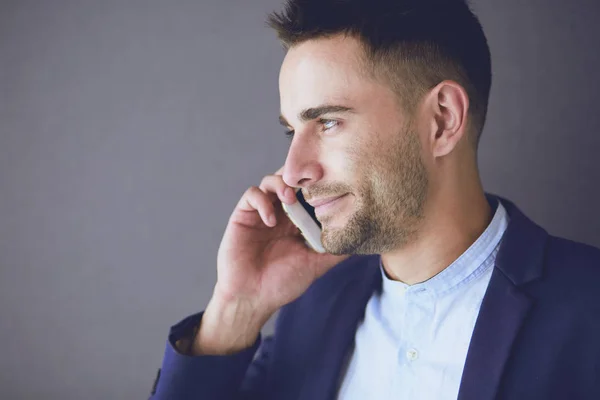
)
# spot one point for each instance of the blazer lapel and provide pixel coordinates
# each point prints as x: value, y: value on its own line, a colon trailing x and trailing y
x: 336, y: 334
x: 504, y: 307
x: 501, y: 315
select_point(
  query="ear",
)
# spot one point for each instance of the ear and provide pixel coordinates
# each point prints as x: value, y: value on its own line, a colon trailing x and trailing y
x: 448, y: 105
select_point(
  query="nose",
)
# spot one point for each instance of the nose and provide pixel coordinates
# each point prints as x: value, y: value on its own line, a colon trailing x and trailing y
x: 302, y: 166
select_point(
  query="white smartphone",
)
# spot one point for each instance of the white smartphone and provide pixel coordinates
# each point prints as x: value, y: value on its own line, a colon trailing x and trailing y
x: 303, y: 216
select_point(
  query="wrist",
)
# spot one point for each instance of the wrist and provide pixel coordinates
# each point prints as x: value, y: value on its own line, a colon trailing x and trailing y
x: 227, y: 327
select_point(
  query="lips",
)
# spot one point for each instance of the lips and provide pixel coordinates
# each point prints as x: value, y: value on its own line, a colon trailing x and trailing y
x: 326, y: 200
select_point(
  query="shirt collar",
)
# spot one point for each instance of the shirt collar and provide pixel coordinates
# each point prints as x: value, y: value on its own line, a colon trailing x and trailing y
x: 468, y: 266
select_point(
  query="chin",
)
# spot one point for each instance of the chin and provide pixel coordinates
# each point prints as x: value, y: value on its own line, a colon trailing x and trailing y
x: 338, y: 241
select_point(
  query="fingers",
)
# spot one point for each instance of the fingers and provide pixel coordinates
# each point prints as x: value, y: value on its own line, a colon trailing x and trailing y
x: 275, y: 184
x: 263, y: 198
x: 255, y: 199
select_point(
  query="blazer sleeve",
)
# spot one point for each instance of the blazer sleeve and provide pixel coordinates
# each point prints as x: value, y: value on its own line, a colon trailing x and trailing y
x: 210, y: 377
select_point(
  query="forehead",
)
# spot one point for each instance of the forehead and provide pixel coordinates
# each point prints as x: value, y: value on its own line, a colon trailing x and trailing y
x: 341, y: 53
x: 327, y: 70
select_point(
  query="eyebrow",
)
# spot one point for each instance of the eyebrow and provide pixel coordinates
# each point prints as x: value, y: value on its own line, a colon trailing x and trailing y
x: 312, y: 113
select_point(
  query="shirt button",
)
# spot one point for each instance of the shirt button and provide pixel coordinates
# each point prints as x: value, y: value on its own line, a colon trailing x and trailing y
x: 412, y: 354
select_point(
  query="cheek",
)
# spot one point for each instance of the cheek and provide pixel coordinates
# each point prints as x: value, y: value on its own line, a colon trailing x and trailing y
x: 364, y: 153
x: 340, y: 165
x: 351, y: 158
x: 356, y: 163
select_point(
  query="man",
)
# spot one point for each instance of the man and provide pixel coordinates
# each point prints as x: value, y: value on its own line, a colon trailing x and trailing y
x: 431, y: 288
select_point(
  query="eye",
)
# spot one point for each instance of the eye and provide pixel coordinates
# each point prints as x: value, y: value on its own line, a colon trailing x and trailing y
x: 328, y: 123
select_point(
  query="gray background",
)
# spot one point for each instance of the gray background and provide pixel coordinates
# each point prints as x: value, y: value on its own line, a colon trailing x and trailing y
x: 129, y: 129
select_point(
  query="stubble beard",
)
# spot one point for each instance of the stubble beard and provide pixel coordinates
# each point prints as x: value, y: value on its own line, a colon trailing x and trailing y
x: 388, y: 204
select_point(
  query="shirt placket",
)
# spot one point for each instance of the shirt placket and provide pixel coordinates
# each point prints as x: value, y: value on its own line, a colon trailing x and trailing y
x: 413, y: 341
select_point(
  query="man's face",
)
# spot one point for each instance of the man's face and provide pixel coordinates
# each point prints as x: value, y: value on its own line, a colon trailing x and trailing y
x: 367, y: 150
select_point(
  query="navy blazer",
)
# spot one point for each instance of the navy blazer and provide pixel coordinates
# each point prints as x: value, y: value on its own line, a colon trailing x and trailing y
x: 537, y: 335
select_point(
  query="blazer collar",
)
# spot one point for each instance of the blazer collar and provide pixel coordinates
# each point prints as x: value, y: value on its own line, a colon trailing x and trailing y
x: 522, y: 249
x: 504, y: 307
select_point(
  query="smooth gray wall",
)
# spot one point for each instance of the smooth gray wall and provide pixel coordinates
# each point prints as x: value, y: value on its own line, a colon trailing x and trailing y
x: 129, y: 129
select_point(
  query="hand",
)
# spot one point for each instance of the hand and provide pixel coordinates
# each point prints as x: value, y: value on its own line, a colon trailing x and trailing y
x: 263, y: 257
x: 263, y: 263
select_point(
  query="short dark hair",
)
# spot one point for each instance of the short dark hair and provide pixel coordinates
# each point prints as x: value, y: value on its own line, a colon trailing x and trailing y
x: 415, y: 44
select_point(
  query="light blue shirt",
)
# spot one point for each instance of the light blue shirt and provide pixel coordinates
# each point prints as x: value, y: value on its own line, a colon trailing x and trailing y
x: 413, y: 342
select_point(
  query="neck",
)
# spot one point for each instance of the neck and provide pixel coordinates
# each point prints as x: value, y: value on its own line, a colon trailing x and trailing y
x: 454, y: 219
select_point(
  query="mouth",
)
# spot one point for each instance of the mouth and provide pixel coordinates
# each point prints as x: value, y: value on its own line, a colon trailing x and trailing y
x: 324, y: 205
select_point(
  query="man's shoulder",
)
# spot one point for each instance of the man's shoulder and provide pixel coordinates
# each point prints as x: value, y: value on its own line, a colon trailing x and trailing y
x: 573, y: 257
x: 571, y: 273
